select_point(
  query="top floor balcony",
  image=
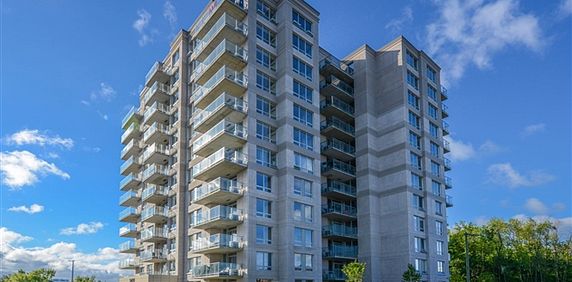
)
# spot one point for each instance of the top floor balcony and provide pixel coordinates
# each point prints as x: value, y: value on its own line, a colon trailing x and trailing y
x: 332, y: 65
x: 226, y: 27
x: 207, y: 19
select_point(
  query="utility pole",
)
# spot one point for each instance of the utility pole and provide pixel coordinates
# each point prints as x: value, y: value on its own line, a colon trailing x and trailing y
x: 72, y: 261
x: 467, y: 263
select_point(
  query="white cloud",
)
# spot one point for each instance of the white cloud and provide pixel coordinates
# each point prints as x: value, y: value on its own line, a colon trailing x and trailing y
x: 563, y: 225
x: 34, y: 208
x: 102, y: 263
x: 505, y: 174
x: 565, y: 8
x: 536, y: 206
x: 461, y: 151
x: 21, y: 168
x: 105, y: 92
x: 472, y: 32
x: 83, y: 228
x: 170, y: 14
x: 490, y: 147
x: 533, y: 129
x: 396, y: 24
x: 34, y: 137
x: 140, y: 25
x: 559, y: 207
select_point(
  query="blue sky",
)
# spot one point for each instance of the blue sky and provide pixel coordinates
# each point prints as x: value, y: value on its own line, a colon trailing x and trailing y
x: 71, y: 70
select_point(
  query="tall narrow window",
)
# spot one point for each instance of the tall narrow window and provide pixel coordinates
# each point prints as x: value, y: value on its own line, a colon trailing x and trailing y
x: 263, y: 182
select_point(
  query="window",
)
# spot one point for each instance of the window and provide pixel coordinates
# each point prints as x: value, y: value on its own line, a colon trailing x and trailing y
x: 414, y: 140
x: 413, y: 100
x: 439, y: 248
x: 415, y: 160
x: 432, y: 111
x: 432, y: 92
x: 302, y: 237
x: 416, y: 181
x: 265, y: 157
x: 439, y: 227
x: 435, y: 168
x: 412, y: 80
x: 265, y: 107
x: 418, y: 202
x: 263, y: 182
x: 303, y: 163
x: 263, y: 261
x: 433, y: 130
x: 419, y: 245
x: 265, y: 58
x: 302, y: 187
x: 265, y: 82
x: 303, y: 115
x: 301, y: 68
x: 431, y: 74
x: 303, y: 139
x: 421, y: 265
x: 419, y: 223
x: 436, y: 187
x: 302, y: 45
x: 302, y: 212
x: 434, y: 149
x: 411, y: 60
x: 438, y: 208
x: 440, y: 266
x: 301, y: 22
x: 266, y: 11
x: 175, y: 58
x: 263, y: 234
x: 414, y: 120
x: 265, y: 132
x: 303, y: 262
x: 302, y: 91
x: 266, y: 35
x: 263, y: 208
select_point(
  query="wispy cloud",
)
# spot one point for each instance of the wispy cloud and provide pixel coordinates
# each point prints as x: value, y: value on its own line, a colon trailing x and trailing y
x: 34, y: 208
x: 104, y: 93
x: 536, y: 206
x: 504, y: 174
x: 170, y: 14
x: 35, y: 137
x: 21, y: 168
x: 83, y: 228
x: 472, y: 32
x: 396, y: 24
x: 461, y: 150
x: 141, y: 25
x: 533, y: 129
x: 565, y: 8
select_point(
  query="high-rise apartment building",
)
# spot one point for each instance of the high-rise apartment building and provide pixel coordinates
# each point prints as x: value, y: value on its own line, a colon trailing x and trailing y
x: 255, y: 155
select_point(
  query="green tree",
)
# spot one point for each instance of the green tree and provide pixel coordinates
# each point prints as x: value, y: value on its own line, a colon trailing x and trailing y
x: 38, y: 275
x: 85, y: 279
x: 411, y: 275
x: 354, y: 271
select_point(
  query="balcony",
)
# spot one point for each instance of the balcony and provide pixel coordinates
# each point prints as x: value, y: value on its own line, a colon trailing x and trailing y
x: 217, y: 244
x: 158, y: 112
x: 128, y: 247
x: 340, y: 252
x: 155, y: 194
x: 155, y: 214
x: 444, y: 95
x: 334, y: 127
x: 130, y: 215
x: 446, y: 146
x: 224, y: 162
x: 449, y: 201
x: 213, y: 11
x: 154, y: 235
x: 128, y: 230
x: 444, y: 111
x: 156, y: 174
x: 156, y: 154
x: 129, y: 199
x: 131, y: 165
x: 338, y: 149
x: 219, y: 217
x: 225, y: 106
x: 339, y: 231
x: 156, y: 73
x: 339, y: 211
x: 338, y: 170
x: 338, y: 190
x: 225, y: 133
x: 447, y: 164
x: 219, y: 191
x: 448, y: 182
x: 130, y: 117
x: 156, y: 133
x: 130, y: 149
x: 154, y: 256
x: 333, y: 275
x: 129, y: 182
x: 226, y: 27
x: 158, y: 92
x: 333, y: 86
x: 131, y: 132
x: 334, y: 106
x: 445, y: 128
x: 225, y: 54
x: 217, y: 270
x: 334, y: 66
x: 224, y: 80
x: 128, y: 264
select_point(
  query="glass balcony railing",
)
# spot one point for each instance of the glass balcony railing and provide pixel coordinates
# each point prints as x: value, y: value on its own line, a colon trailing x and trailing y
x: 216, y: 269
x: 128, y: 228
x: 155, y: 148
x: 339, y: 145
x: 337, y: 103
x: 341, y: 251
x: 156, y: 66
x: 155, y: 168
x: 445, y: 127
x: 348, y: 69
x: 157, y: 86
x: 447, y: 163
x: 446, y: 145
x: 333, y: 275
x: 223, y: 126
x: 126, y: 196
x: 339, y: 84
x: 449, y: 201
x: 230, y: 155
x: 154, y: 232
x: 339, y: 124
x: 156, y: 127
x: 339, y: 230
x: 154, y: 108
x: 133, y: 127
x: 448, y: 182
x: 223, y: 73
x: 128, y: 147
x: 128, y: 263
x: 128, y: 179
x: 210, y: 9
x: 224, y: 46
x: 339, y: 166
x: 216, y: 213
x: 338, y: 186
x: 128, y: 212
x: 224, y: 100
x: 444, y: 92
x: 334, y: 207
x: 217, y: 241
x: 154, y: 190
x: 219, y: 184
x: 153, y: 211
x: 127, y: 245
x: 153, y: 254
x: 225, y: 20
x: 128, y: 117
x: 129, y: 162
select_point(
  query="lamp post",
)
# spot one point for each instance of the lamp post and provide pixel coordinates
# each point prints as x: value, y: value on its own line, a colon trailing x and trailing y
x: 72, y: 261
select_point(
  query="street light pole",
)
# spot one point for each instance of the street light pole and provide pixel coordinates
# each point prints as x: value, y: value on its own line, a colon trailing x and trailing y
x: 72, y: 261
x: 467, y: 263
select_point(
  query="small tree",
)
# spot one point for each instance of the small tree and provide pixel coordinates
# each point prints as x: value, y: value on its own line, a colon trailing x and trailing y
x: 411, y: 275
x: 85, y: 279
x: 354, y: 271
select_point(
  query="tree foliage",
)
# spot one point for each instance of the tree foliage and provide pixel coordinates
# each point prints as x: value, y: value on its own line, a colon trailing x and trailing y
x: 411, y: 275
x: 39, y: 275
x: 354, y: 271
x: 514, y: 250
x: 85, y: 279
